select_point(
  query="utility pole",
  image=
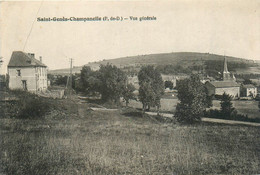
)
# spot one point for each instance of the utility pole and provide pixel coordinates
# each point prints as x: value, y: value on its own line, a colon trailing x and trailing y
x: 70, y: 76
x: 69, y: 79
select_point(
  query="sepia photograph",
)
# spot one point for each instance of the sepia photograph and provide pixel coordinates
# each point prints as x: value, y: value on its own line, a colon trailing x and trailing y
x: 98, y: 87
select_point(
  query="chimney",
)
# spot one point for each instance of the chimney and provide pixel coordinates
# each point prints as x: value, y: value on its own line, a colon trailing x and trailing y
x: 40, y: 58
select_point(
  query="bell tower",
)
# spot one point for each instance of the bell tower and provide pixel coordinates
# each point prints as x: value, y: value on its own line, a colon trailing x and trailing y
x: 226, y: 73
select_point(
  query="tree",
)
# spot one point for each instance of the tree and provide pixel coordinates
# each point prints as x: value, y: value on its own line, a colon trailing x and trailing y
x: 128, y: 93
x: 259, y: 105
x: 209, y: 98
x: 193, y: 100
x: 113, y: 82
x: 109, y: 81
x: 247, y: 81
x: 226, y: 106
x: 151, y: 87
x: 90, y: 82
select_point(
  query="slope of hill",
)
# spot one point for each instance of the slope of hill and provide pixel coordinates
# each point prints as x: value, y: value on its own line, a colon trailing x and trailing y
x: 183, y: 58
x: 170, y: 58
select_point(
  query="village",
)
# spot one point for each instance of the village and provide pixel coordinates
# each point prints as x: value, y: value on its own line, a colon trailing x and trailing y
x: 59, y: 108
x: 35, y: 75
x: 27, y: 73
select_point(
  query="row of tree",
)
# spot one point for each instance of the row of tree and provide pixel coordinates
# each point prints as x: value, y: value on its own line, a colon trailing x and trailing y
x: 111, y: 83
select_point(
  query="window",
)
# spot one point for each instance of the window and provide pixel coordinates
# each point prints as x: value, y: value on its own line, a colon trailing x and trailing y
x: 18, y: 72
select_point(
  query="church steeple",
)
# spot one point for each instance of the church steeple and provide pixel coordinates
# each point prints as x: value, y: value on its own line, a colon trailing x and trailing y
x: 226, y: 74
x: 225, y: 65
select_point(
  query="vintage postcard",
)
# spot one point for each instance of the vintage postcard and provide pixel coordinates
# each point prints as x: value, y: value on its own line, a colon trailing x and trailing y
x: 130, y: 87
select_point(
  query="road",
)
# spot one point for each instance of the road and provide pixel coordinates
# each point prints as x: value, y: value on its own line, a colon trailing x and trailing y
x: 233, y: 122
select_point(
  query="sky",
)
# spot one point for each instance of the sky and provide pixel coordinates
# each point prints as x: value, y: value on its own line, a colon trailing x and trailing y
x: 230, y: 27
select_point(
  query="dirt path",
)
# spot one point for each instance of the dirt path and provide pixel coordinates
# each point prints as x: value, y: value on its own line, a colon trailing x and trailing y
x: 233, y: 122
x: 102, y: 109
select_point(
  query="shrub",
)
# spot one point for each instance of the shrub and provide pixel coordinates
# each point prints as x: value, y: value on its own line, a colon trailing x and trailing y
x: 28, y: 105
x: 214, y: 113
x: 227, y: 108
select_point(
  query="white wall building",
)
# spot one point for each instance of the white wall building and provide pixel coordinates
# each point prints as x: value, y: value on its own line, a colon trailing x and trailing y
x: 221, y: 87
x: 250, y: 90
x: 27, y: 73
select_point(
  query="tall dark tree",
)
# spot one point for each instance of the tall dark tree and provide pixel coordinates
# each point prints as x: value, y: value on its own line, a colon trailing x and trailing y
x: 193, y: 100
x: 128, y: 93
x: 226, y: 106
x: 113, y: 82
x: 90, y: 82
x: 151, y: 87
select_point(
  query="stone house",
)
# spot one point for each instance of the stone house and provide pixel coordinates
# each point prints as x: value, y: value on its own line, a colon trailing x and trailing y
x: 220, y: 87
x: 170, y: 78
x: 249, y: 90
x: 27, y: 73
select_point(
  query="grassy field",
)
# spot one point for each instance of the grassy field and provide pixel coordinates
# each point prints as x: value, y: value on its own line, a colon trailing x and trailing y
x: 167, y: 104
x: 76, y: 140
x: 249, y: 107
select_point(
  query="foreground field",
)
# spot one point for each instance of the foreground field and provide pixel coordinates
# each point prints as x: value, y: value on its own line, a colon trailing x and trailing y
x: 124, y: 142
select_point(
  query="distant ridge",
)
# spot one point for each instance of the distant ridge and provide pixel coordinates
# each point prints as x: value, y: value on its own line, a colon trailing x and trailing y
x: 183, y: 58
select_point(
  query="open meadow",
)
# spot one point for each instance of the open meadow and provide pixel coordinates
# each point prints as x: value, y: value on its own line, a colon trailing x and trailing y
x: 76, y: 140
x: 247, y: 107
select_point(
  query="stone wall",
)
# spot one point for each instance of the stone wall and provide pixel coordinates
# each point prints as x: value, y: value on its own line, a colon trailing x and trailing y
x: 26, y: 74
x: 35, y: 78
x: 233, y: 91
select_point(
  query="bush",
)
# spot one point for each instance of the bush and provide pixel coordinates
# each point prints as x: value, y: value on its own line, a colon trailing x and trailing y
x: 214, y: 113
x: 227, y: 109
x: 28, y: 105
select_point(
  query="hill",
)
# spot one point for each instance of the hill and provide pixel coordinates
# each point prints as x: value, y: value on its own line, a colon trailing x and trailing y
x: 175, y: 58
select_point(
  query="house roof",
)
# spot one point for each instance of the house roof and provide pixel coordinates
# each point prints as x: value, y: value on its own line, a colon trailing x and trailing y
x: 22, y: 59
x: 219, y: 84
x: 249, y: 86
